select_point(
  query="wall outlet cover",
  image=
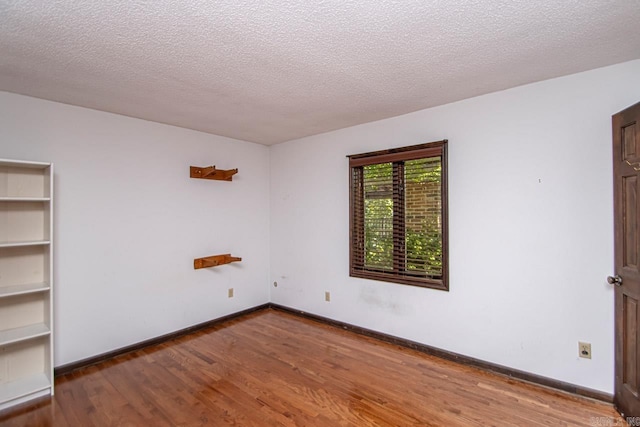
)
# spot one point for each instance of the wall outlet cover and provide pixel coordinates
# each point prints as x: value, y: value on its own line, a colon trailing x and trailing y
x: 584, y: 350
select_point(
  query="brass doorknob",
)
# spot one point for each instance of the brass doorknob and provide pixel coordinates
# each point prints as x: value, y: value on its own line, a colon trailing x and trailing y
x: 615, y: 280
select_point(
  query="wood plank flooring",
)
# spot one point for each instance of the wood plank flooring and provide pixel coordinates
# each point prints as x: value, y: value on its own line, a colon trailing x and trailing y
x: 276, y: 369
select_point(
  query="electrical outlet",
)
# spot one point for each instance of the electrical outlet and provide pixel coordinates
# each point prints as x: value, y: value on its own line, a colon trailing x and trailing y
x: 584, y: 350
x: 230, y: 292
x: 327, y: 296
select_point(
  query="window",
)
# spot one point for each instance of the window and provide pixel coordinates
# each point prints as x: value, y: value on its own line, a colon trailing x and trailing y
x: 398, y: 215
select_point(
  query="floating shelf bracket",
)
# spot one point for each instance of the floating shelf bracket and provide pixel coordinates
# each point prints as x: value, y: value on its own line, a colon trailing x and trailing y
x: 214, y: 261
x: 210, y: 172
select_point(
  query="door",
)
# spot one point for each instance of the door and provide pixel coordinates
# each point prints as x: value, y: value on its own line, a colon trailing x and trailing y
x: 626, y: 173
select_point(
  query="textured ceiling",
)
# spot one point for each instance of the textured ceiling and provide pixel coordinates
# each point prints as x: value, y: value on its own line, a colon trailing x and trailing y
x: 268, y: 71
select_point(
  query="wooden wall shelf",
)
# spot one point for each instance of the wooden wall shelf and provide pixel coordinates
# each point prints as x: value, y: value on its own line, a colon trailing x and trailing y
x: 214, y: 261
x: 210, y: 172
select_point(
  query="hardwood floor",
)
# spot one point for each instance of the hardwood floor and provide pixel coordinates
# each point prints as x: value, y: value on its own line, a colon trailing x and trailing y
x: 272, y: 368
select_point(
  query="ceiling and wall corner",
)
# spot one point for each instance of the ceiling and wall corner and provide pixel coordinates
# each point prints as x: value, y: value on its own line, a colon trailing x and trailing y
x: 269, y: 71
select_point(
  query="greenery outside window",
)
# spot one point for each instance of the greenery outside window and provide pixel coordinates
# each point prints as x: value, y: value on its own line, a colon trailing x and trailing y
x: 398, y: 215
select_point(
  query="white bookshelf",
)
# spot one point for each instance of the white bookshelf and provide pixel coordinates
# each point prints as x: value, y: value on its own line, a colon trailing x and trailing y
x: 26, y: 281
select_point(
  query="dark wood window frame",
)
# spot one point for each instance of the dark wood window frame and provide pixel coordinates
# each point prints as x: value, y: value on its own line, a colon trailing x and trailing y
x: 397, y: 157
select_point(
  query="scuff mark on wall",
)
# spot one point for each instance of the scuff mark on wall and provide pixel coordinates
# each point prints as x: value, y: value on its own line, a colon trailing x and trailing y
x: 372, y: 297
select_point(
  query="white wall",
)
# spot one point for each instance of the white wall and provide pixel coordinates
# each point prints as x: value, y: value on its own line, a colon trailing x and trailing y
x: 531, y: 234
x: 129, y: 221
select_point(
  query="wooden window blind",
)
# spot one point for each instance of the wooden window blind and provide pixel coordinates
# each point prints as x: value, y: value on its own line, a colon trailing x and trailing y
x: 398, y: 215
